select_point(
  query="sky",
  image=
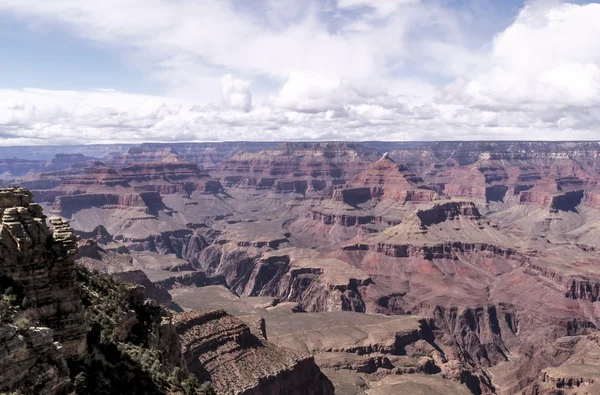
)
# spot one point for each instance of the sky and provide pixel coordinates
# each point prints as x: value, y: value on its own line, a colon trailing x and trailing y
x: 110, y: 71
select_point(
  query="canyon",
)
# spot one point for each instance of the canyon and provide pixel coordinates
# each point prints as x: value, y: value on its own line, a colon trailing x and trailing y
x: 309, y: 268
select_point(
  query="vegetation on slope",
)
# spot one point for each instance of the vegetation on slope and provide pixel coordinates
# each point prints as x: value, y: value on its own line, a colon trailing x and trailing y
x: 12, y: 301
x: 132, y: 365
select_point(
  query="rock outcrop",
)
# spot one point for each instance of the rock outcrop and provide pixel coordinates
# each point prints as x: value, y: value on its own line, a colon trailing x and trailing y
x: 570, y: 365
x: 31, y: 360
x: 37, y: 277
x: 41, y: 263
x: 316, y: 284
x: 222, y: 349
x: 385, y: 179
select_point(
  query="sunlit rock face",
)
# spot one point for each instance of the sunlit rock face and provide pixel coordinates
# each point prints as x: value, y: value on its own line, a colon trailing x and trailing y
x: 42, y: 261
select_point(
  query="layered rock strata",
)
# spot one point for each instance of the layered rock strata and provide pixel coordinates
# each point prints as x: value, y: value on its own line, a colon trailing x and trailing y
x: 42, y: 262
x: 385, y: 179
x: 222, y: 349
x: 31, y: 360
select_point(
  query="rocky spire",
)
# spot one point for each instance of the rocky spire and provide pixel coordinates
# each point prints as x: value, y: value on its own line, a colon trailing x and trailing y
x: 42, y: 263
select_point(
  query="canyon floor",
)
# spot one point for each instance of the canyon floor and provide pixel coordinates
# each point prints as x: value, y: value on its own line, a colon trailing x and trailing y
x: 421, y: 268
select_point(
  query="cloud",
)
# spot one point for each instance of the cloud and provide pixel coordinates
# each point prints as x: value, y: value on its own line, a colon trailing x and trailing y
x: 385, y: 70
x: 318, y: 93
x: 173, y: 40
x: 235, y: 93
x: 545, y: 57
x: 381, y: 8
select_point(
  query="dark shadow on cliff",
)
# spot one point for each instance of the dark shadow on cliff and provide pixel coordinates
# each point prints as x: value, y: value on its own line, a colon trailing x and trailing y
x: 567, y: 202
x: 495, y: 193
x: 153, y: 205
x: 107, y: 368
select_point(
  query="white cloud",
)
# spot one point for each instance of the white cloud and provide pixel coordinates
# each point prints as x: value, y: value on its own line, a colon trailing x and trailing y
x: 318, y: 93
x: 315, y: 93
x: 177, y: 40
x: 547, y: 56
x: 235, y: 93
x: 537, y: 79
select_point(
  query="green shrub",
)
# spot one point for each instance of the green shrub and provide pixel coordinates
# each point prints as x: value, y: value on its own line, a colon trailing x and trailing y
x: 131, y: 366
x: 8, y: 309
x: 11, y: 298
x: 104, y: 300
x: 207, y: 389
x: 190, y: 385
x: 80, y: 383
x: 22, y: 324
x: 177, y: 375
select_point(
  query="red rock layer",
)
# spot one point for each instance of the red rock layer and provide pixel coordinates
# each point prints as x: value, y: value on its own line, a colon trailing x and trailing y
x: 137, y: 186
x: 385, y: 179
x: 306, y: 168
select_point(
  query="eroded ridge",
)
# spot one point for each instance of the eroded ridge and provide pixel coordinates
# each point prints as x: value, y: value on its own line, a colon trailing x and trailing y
x: 221, y: 348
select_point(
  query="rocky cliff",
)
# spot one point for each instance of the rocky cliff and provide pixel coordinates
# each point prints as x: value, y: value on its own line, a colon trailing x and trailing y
x: 136, y: 187
x: 168, y: 176
x: 385, y: 179
x: 211, y: 341
x: 32, y: 362
x: 41, y: 303
x: 40, y: 264
x: 65, y: 328
x: 304, y: 168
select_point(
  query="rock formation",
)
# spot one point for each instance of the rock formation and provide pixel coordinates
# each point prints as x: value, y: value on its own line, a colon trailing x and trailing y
x: 41, y: 264
x: 209, y: 341
x: 65, y: 161
x: 14, y: 167
x: 32, y: 361
x: 137, y: 187
x: 205, y: 155
x: 303, y: 168
x: 48, y: 306
x: 491, y: 245
x: 385, y: 179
